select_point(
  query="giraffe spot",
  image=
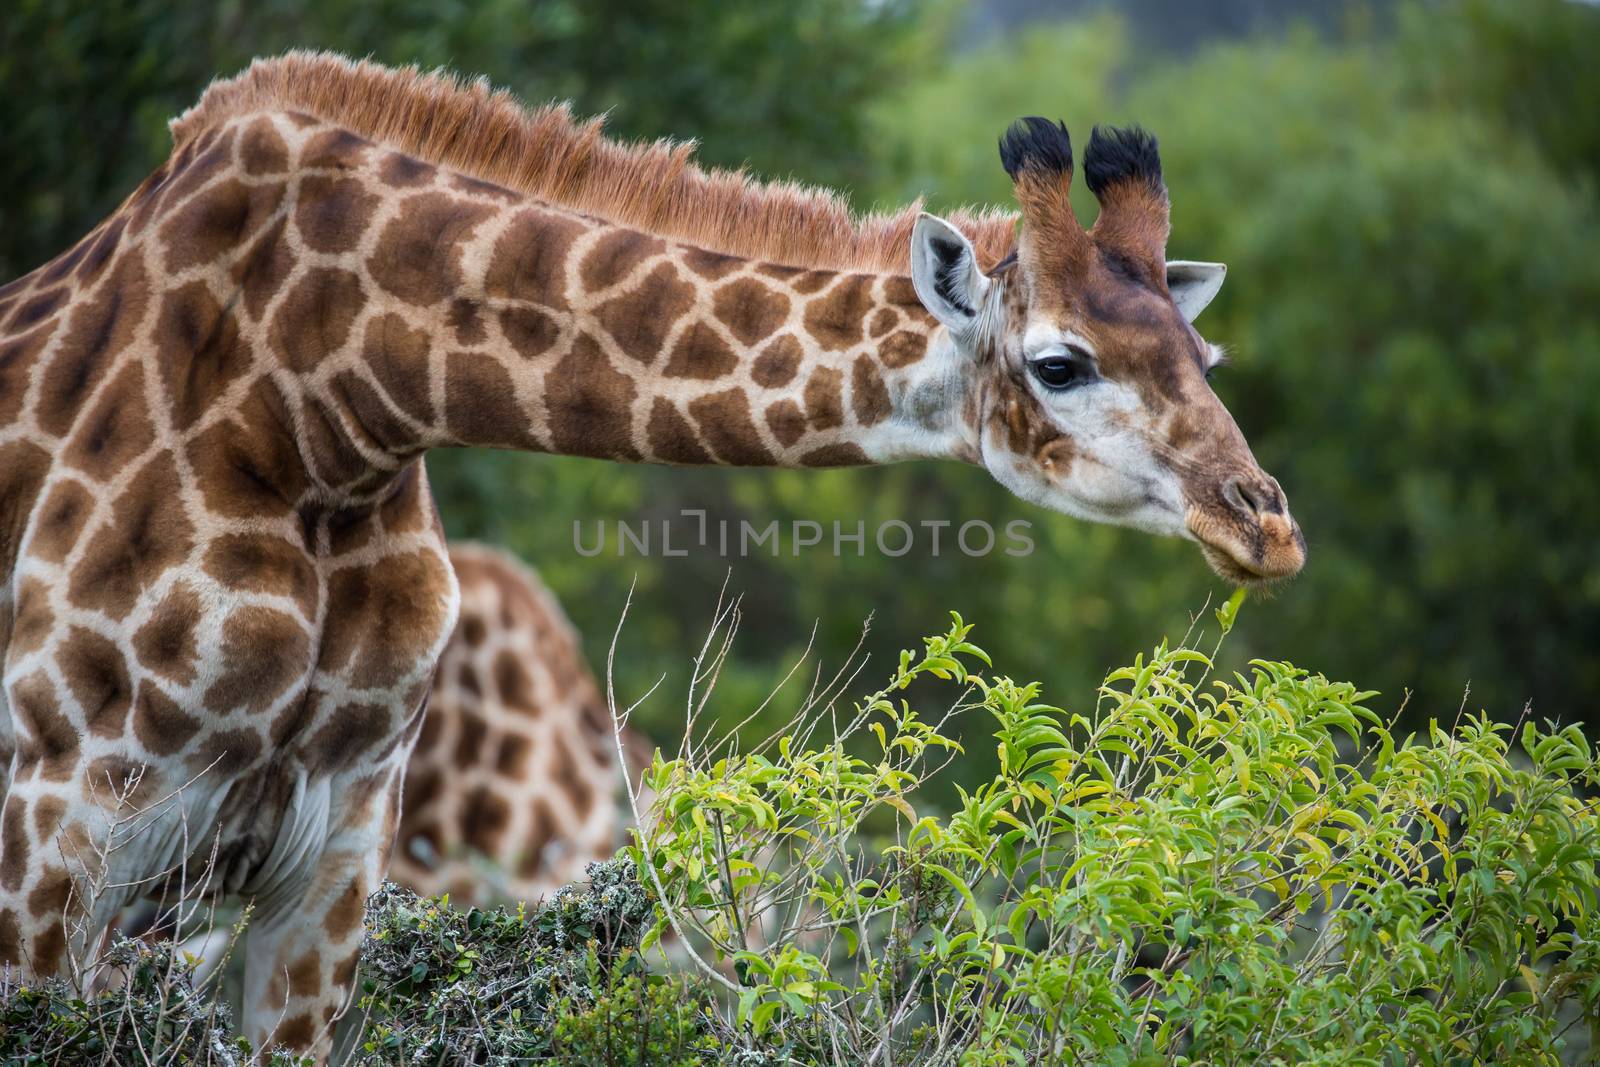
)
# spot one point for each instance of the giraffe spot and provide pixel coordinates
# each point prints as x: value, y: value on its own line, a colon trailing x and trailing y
x: 264, y: 653
x: 261, y: 272
x: 671, y: 437
x: 869, y: 397
x: 207, y: 156
x: 902, y: 348
x: 725, y: 423
x: 835, y: 455
x: 467, y: 678
x: 750, y: 309
x: 345, y: 973
x: 10, y: 938
x: 30, y: 312
x: 398, y: 358
x: 165, y: 644
x: 529, y: 331
x: 263, y: 563
x: 353, y: 732
x: 511, y: 680
x: 471, y: 734
x: 899, y: 290
x: 529, y: 260
x: 569, y: 781
x: 883, y: 320
x: 615, y: 255
x: 97, y: 675
x: 466, y: 183
x: 779, y: 270
x: 117, y: 782
x: 540, y: 829
x: 786, y: 421
x: 22, y: 470
x: 34, y: 618
x: 226, y: 753
x: 404, y: 172
x: 53, y: 890
x: 47, y: 816
x: 409, y: 506
x: 147, y: 533
x: 101, y: 249
x: 49, y: 948
x: 824, y: 396
x: 467, y: 323
x: 807, y: 282
x: 640, y: 318
x: 484, y: 820
x: 315, y: 317
x: 297, y: 1034
x: 305, y: 975
x: 60, y: 521
x: 333, y: 213
x: 334, y: 149
x: 418, y: 258
x: 46, y: 738
x: 481, y: 406
x: 428, y: 736
x: 261, y: 149
x: 708, y: 264
x: 100, y: 328
x: 473, y: 630
x: 293, y: 719
x: 590, y: 404
x: 15, y: 847
x: 385, y: 617
x: 371, y: 417
x: 248, y: 467
x: 198, y: 350
x: 344, y: 915
x: 512, y: 756
x: 17, y: 358
x: 422, y: 787
x: 835, y: 318
x: 777, y: 363
x: 217, y: 222
x: 116, y: 431
x: 160, y: 724
x: 700, y: 353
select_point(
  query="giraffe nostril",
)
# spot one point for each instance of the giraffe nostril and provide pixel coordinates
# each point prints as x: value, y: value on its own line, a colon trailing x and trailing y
x: 1242, y: 496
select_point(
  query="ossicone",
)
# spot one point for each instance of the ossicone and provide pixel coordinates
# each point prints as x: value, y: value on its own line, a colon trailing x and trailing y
x: 1036, y: 145
x: 1117, y: 155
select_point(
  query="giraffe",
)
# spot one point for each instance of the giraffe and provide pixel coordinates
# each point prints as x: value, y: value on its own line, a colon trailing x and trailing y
x: 226, y: 585
x: 516, y: 762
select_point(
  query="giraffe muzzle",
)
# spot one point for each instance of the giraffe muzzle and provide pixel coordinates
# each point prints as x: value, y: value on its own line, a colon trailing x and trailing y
x: 1248, y: 536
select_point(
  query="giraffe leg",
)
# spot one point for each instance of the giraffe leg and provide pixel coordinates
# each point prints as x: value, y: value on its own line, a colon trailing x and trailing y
x: 301, y: 959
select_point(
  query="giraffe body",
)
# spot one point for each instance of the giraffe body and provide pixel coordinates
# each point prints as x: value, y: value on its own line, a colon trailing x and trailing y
x: 513, y: 785
x: 223, y: 585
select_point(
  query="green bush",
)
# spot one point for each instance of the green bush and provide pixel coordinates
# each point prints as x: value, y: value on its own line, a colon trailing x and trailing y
x: 1204, y: 870
x: 153, y: 1013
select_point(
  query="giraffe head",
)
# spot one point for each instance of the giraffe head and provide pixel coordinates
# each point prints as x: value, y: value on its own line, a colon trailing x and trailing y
x: 1088, y: 385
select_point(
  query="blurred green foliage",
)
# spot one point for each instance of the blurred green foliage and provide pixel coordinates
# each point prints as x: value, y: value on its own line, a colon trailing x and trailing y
x: 1408, y: 210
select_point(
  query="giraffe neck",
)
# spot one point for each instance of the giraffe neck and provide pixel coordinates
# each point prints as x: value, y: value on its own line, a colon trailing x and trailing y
x: 461, y: 315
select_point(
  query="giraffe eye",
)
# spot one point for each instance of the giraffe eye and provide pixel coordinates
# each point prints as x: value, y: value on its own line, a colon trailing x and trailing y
x: 1063, y: 370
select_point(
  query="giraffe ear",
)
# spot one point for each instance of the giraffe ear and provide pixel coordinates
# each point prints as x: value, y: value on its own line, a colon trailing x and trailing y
x: 944, y: 270
x: 1192, y: 285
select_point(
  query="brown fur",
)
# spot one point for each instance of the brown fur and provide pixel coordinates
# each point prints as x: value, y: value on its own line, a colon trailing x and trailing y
x: 546, y: 153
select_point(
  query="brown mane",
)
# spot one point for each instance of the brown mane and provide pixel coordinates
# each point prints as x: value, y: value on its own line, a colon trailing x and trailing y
x: 547, y: 154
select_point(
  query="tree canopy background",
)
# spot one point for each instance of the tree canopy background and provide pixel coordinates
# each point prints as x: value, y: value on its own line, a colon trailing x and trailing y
x: 1405, y: 195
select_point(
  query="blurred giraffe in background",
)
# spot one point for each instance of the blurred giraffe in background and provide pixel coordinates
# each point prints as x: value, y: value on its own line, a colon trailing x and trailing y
x: 514, y: 784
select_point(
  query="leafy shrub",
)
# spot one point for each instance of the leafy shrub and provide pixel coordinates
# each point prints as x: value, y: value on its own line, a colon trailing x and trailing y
x: 152, y: 1013
x: 1204, y: 871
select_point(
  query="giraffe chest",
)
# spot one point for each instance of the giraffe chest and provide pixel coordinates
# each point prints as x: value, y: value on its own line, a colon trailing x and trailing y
x: 267, y: 667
